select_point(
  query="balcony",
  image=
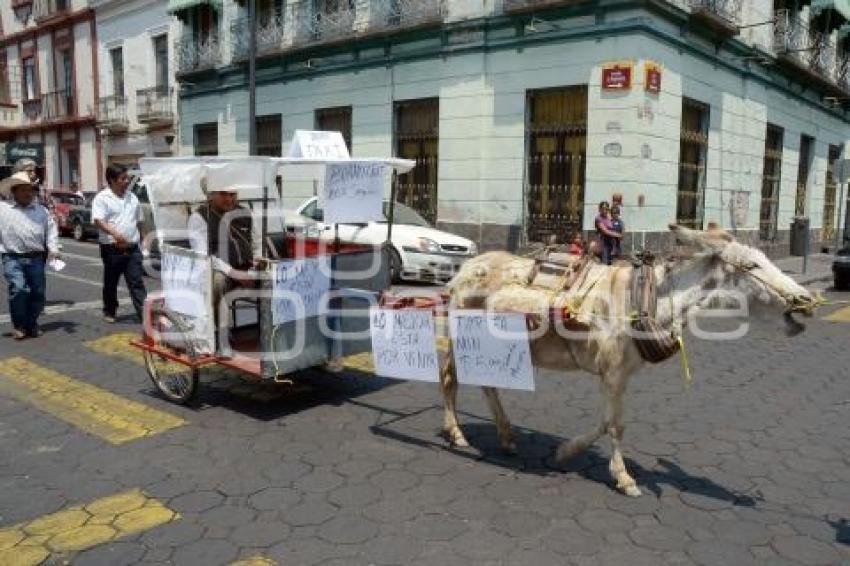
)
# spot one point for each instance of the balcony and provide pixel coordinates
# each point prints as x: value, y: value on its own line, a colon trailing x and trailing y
x: 531, y: 5
x: 842, y: 72
x: 47, y: 9
x: 58, y: 105
x: 331, y: 22
x: 803, y: 49
x: 388, y: 15
x: 723, y: 17
x: 194, y: 55
x: 269, y: 34
x: 154, y: 106
x: 9, y: 116
x: 112, y: 114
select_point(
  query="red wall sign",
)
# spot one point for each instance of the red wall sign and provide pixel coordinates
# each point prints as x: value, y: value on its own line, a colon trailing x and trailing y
x: 616, y: 78
x: 653, y: 79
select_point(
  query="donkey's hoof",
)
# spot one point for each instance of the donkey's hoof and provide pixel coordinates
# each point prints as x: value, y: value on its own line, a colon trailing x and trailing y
x: 631, y: 490
x: 456, y: 438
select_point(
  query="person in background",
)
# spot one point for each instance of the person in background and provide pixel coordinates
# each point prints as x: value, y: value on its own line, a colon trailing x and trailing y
x: 28, y: 239
x: 29, y: 166
x: 618, y: 226
x: 605, y: 232
x: 118, y: 216
x: 576, y: 245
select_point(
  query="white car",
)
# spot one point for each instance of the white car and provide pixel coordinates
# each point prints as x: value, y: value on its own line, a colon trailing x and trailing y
x: 419, y: 252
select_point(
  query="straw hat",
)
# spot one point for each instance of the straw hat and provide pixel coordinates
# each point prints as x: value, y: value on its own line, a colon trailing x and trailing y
x: 16, y: 180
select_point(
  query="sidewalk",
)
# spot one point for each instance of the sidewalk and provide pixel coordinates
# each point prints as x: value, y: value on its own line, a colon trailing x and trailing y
x: 819, y: 268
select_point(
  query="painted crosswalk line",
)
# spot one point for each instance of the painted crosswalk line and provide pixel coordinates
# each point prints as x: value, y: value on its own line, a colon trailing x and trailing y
x: 254, y: 561
x: 841, y: 315
x: 81, y: 527
x: 90, y: 408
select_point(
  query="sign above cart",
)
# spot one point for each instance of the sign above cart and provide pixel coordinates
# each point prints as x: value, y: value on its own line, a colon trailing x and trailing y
x: 353, y: 192
x: 308, y: 144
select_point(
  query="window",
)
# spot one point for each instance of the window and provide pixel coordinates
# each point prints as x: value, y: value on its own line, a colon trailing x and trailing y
x: 417, y: 137
x: 771, y: 178
x: 336, y: 120
x: 557, y: 147
x: 269, y: 136
x: 5, y: 90
x: 693, y: 151
x: 160, y: 57
x: 30, y: 86
x: 805, y: 164
x: 116, y: 56
x: 829, y: 195
x: 206, y: 139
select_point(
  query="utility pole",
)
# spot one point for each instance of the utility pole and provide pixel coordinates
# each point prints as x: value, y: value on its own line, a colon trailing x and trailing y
x: 252, y: 77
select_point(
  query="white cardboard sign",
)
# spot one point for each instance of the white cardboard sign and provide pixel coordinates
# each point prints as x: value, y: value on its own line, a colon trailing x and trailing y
x: 300, y: 288
x: 491, y: 349
x: 353, y: 192
x: 310, y: 144
x: 185, y: 284
x: 403, y: 344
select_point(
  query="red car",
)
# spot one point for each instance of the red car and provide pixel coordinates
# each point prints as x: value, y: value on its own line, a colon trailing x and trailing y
x: 63, y: 202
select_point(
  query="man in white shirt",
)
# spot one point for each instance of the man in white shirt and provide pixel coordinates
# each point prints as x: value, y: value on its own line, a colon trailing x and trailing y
x: 28, y: 237
x: 118, y: 216
x: 223, y: 229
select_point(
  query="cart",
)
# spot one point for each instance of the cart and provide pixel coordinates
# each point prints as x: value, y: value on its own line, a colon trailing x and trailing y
x: 312, y: 295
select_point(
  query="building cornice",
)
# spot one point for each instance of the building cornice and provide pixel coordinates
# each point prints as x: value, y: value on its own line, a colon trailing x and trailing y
x: 47, y: 26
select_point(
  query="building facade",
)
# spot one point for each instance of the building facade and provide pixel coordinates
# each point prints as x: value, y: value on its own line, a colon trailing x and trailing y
x: 524, y: 114
x: 48, y: 92
x: 136, y: 111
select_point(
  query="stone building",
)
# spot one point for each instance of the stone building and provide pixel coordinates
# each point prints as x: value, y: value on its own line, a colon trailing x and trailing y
x: 524, y: 114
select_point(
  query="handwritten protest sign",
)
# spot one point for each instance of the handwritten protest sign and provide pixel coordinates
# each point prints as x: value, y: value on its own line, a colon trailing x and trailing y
x: 186, y: 284
x: 300, y: 288
x: 403, y: 344
x: 318, y: 145
x: 491, y: 349
x: 353, y: 192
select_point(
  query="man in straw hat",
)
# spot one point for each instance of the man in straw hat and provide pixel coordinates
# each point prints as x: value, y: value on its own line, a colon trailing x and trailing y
x: 28, y: 238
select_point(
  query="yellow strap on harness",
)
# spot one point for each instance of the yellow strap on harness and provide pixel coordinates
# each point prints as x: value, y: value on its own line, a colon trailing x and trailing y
x: 686, y: 369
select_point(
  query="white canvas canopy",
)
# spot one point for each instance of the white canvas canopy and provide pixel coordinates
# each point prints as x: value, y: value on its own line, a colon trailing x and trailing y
x: 176, y: 185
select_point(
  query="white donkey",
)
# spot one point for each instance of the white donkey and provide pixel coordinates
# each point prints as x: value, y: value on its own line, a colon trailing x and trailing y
x: 715, y: 267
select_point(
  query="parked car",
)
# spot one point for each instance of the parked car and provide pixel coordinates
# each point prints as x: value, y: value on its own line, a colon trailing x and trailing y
x: 79, y: 218
x: 63, y: 203
x: 841, y: 269
x: 419, y: 251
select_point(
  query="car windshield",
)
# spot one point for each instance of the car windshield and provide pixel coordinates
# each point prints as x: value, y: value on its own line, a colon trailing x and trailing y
x: 403, y: 214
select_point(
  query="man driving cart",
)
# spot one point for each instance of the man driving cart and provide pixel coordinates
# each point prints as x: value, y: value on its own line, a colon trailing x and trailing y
x: 222, y: 229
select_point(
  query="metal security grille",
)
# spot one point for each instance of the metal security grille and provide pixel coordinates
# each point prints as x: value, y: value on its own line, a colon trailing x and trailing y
x: 269, y: 136
x: 206, y: 139
x: 557, y: 149
x: 829, y: 200
x: 806, y: 143
x: 417, y: 137
x: 771, y: 179
x: 693, y: 151
x: 336, y: 120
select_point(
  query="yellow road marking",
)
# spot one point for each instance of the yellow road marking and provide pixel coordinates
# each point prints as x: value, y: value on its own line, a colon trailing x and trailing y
x: 92, y: 409
x: 82, y: 527
x: 841, y: 315
x: 254, y: 561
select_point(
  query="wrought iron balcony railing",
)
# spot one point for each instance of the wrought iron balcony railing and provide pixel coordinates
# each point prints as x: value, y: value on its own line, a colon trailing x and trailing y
x: 112, y: 112
x: 269, y: 34
x: 58, y: 105
x: 726, y: 11
x: 46, y: 9
x: 155, y: 105
x: 394, y: 14
x: 791, y: 37
x: 193, y: 54
x: 823, y: 56
x: 520, y: 5
x: 323, y: 21
x: 842, y: 72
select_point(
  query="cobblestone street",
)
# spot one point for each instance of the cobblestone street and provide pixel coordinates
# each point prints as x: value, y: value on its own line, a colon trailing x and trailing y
x: 748, y: 466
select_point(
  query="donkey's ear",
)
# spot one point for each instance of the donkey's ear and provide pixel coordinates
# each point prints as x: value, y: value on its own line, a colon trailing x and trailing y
x: 686, y: 236
x: 715, y: 231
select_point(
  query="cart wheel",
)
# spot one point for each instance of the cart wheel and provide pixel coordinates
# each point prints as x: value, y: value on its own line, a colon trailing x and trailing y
x: 176, y: 382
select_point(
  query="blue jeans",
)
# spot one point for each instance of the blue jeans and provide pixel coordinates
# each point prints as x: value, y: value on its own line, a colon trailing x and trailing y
x: 27, y: 285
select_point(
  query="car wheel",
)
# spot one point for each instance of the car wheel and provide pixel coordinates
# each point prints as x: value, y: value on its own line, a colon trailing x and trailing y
x: 395, y: 266
x: 79, y: 232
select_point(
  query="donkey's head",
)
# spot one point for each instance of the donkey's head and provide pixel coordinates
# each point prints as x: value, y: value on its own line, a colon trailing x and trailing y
x: 745, y: 269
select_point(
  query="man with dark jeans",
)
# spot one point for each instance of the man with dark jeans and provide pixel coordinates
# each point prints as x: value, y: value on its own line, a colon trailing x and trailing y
x: 118, y: 217
x: 28, y: 237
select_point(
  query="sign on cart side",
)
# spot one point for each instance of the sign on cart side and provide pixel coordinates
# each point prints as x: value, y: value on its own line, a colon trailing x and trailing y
x: 403, y: 344
x: 491, y: 349
x: 300, y: 288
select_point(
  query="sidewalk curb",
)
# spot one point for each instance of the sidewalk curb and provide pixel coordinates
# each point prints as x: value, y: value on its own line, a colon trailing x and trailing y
x: 816, y: 278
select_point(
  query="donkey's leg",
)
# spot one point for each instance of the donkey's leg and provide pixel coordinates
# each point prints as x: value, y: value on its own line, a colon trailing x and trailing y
x: 503, y: 425
x: 614, y: 413
x: 575, y: 446
x: 448, y: 385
